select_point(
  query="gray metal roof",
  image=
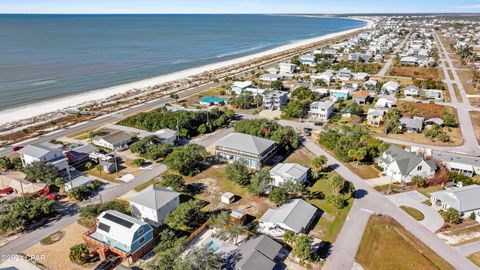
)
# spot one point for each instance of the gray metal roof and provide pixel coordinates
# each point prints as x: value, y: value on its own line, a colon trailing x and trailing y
x: 289, y: 170
x: 462, y: 159
x: 296, y: 214
x: 116, y: 137
x: 154, y: 197
x: 463, y: 199
x: 414, y: 123
x: 39, y: 150
x: 258, y: 253
x: 245, y: 143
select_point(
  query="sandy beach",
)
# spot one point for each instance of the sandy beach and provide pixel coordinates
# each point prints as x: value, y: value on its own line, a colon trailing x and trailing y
x: 32, y: 110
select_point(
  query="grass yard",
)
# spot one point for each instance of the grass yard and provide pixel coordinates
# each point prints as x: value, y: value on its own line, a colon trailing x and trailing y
x: 475, y: 117
x: 147, y: 184
x: 194, y: 100
x: 416, y: 72
x: 387, y: 245
x: 475, y: 258
x: 364, y: 171
x: 413, y: 212
x: 466, y: 78
x: 301, y: 156
x: 455, y: 135
x: 426, y: 191
x: 331, y: 221
x: 426, y: 110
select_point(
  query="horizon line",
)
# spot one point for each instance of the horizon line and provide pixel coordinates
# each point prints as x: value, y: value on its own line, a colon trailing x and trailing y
x: 247, y: 13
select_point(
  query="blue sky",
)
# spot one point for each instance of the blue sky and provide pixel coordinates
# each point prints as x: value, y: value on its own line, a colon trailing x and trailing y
x: 236, y: 6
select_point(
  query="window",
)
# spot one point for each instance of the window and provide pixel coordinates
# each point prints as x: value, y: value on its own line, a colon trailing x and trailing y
x: 142, y: 239
x: 419, y: 168
x: 140, y: 231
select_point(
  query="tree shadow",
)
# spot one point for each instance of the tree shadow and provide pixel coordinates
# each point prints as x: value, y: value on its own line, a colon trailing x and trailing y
x: 359, y: 193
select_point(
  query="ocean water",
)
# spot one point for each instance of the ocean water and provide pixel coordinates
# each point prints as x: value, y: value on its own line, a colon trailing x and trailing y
x: 49, y: 56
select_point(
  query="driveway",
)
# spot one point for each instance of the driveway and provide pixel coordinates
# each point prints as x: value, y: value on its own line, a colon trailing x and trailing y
x: 432, y: 221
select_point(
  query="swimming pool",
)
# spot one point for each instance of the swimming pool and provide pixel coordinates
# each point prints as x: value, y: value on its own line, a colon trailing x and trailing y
x: 214, y: 246
x: 214, y: 100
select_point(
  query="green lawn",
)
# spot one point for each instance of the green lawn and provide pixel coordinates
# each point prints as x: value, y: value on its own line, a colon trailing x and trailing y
x: 387, y: 245
x: 332, y: 220
x: 413, y: 212
x: 146, y: 184
x: 426, y: 191
x: 301, y: 156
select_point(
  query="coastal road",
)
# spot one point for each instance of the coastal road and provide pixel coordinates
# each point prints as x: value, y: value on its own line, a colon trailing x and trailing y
x: 367, y: 202
x: 72, y: 216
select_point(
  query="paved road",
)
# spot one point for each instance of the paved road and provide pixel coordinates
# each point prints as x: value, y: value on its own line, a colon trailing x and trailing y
x: 31, y: 238
x: 367, y: 199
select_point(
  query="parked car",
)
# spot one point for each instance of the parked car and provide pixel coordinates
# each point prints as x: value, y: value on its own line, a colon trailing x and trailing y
x: 16, y: 148
x: 6, y: 190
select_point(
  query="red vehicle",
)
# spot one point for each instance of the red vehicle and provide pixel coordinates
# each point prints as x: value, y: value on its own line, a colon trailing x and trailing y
x: 16, y: 148
x: 6, y: 190
x: 47, y: 193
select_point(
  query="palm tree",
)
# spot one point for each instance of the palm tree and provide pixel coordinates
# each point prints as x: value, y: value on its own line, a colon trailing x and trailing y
x: 235, y: 231
x: 25, y: 132
x: 289, y: 237
x: 88, y: 165
x: 99, y: 168
x: 317, y: 164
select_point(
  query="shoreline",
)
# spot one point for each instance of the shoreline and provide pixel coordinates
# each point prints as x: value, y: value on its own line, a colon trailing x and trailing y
x: 59, y: 104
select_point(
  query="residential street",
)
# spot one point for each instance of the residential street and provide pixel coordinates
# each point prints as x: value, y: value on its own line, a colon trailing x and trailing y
x: 31, y: 238
x: 389, y: 62
x: 367, y: 199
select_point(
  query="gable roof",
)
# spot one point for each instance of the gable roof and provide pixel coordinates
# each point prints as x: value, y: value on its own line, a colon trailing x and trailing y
x: 118, y: 226
x: 289, y: 170
x: 116, y: 137
x: 154, y: 197
x: 461, y: 159
x: 463, y: 199
x: 414, y: 123
x: 39, y: 150
x: 245, y: 143
x: 258, y: 253
x: 406, y: 161
x: 295, y: 214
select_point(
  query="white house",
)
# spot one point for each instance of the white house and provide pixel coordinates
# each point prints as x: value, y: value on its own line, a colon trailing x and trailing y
x: 326, y: 76
x: 344, y: 74
x: 239, y: 87
x: 153, y: 204
x: 385, y: 102
x: 411, y: 91
x: 284, y: 172
x: 268, y: 77
x: 467, y: 165
x: 409, y: 60
x: 402, y: 166
x: 44, y: 152
x: 375, y: 116
x: 296, y: 215
x: 117, y: 140
x: 287, y: 68
x: 321, y: 110
x: 464, y: 199
x: 390, y: 87
x: 307, y: 59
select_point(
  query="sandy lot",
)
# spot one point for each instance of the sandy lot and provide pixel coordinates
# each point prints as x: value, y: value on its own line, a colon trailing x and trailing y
x: 56, y: 255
